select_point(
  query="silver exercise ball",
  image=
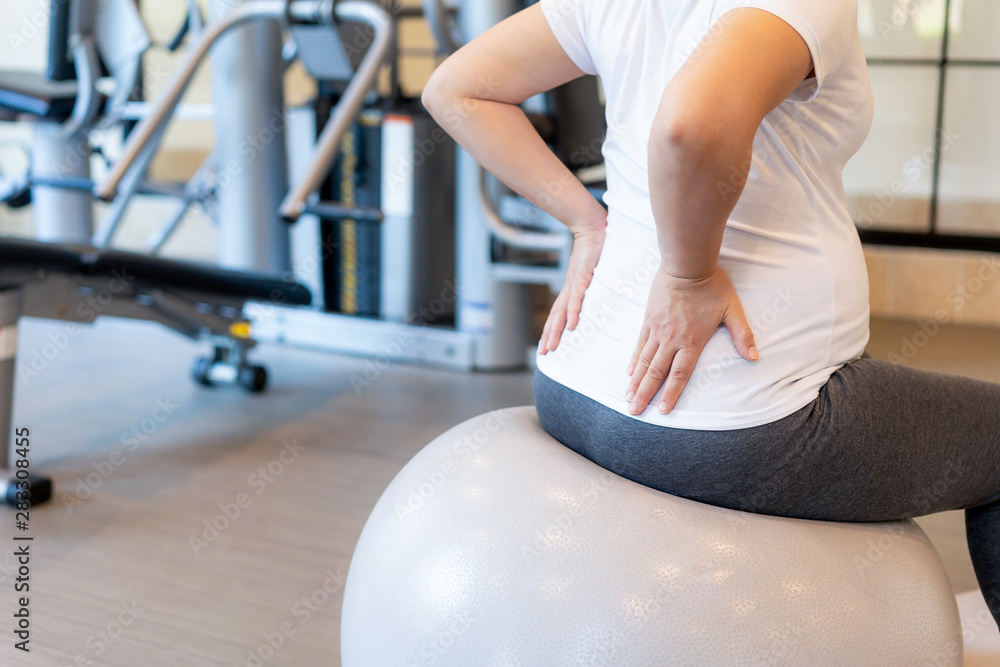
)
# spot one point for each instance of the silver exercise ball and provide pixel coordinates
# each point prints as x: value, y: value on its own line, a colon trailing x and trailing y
x: 497, y: 545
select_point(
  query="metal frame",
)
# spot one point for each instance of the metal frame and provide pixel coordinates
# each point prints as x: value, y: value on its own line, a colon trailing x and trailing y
x: 147, y: 132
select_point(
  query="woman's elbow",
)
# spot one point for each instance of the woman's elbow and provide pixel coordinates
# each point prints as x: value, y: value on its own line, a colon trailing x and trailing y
x: 699, y: 134
x: 687, y: 134
x: 443, y: 93
x: 433, y: 97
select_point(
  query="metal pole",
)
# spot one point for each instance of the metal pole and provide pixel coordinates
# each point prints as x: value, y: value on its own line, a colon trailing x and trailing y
x: 61, y: 216
x: 248, y: 85
x: 495, y: 312
x: 349, y: 105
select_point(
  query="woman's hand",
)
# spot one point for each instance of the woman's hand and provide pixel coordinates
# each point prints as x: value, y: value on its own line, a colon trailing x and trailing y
x: 565, y: 313
x: 681, y: 315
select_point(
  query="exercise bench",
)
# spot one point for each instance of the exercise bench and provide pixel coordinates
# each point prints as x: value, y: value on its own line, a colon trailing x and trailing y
x: 77, y: 283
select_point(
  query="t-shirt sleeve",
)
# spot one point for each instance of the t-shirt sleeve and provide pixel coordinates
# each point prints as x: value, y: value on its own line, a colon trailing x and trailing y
x: 568, y: 21
x: 828, y: 27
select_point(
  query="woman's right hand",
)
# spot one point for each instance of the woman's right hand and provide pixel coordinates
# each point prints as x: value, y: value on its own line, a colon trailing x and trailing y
x: 565, y: 313
x: 681, y: 315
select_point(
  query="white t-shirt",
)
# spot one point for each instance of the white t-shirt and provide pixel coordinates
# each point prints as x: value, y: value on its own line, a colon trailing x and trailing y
x: 790, y: 245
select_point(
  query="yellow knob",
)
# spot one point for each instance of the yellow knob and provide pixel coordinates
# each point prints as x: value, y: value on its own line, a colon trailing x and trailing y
x: 240, y: 330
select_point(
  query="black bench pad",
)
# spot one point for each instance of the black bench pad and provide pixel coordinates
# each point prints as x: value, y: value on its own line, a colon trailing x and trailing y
x: 25, y: 255
x: 157, y: 271
x: 144, y: 270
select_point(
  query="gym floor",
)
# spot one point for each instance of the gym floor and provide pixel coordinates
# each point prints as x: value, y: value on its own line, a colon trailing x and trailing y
x: 208, y: 527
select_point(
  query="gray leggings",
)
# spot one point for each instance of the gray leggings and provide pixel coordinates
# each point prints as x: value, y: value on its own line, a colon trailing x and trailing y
x: 881, y: 442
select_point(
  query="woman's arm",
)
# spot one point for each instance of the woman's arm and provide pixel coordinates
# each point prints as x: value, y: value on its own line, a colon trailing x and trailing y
x: 704, y: 130
x: 699, y: 151
x: 475, y: 95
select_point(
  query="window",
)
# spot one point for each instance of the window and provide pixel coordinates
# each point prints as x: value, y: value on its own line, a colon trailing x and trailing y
x: 929, y: 173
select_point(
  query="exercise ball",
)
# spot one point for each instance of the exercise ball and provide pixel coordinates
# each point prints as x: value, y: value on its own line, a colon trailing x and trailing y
x: 497, y: 545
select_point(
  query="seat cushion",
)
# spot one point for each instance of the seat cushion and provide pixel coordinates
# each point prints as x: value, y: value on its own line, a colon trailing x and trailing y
x: 35, y: 255
x: 188, y: 276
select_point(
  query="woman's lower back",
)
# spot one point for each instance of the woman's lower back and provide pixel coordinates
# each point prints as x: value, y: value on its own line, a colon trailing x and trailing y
x: 806, y: 299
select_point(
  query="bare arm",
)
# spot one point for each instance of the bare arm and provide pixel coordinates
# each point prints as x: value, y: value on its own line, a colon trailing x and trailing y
x: 475, y: 96
x: 702, y: 135
x: 704, y: 131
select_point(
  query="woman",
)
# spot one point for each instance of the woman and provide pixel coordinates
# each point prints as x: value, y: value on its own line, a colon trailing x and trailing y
x: 709, y: 339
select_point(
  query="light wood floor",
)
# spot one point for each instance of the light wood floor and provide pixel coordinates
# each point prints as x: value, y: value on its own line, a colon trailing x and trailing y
x: 113, y: 555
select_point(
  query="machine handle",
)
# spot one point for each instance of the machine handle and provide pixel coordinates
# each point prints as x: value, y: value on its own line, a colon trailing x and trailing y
x: 349, y: 105
x: 437, y: 15
x: 512, y: 235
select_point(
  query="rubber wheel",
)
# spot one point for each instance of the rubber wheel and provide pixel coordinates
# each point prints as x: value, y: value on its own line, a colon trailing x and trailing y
x: 19, y: 199
x: 200, y: 370
x: 253, y: 378
x: 40, y: 488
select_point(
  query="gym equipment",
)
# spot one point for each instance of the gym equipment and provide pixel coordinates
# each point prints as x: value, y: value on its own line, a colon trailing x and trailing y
x: 495, y: 258
x: 80, y: 284
x: 502, y: 242
x: 87, y: 40
x: 496, y: 544
x: 145, y: 137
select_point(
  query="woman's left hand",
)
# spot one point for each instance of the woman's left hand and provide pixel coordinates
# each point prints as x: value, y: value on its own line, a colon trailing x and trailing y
x: 565, y: 314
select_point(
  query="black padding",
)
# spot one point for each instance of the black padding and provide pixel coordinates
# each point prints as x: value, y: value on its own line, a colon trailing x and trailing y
x: 154, y: 272
x: 158, y: 272
x: 60, y: 66
x: 31, y: 93
x: 25, y: 254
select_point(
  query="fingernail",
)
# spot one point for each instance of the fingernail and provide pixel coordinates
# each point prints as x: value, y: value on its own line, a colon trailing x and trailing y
x: 754, y: 354
x: 663, y: 408
x: 634, y: 408
x: 630, y: 395
x: 631, y: 369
